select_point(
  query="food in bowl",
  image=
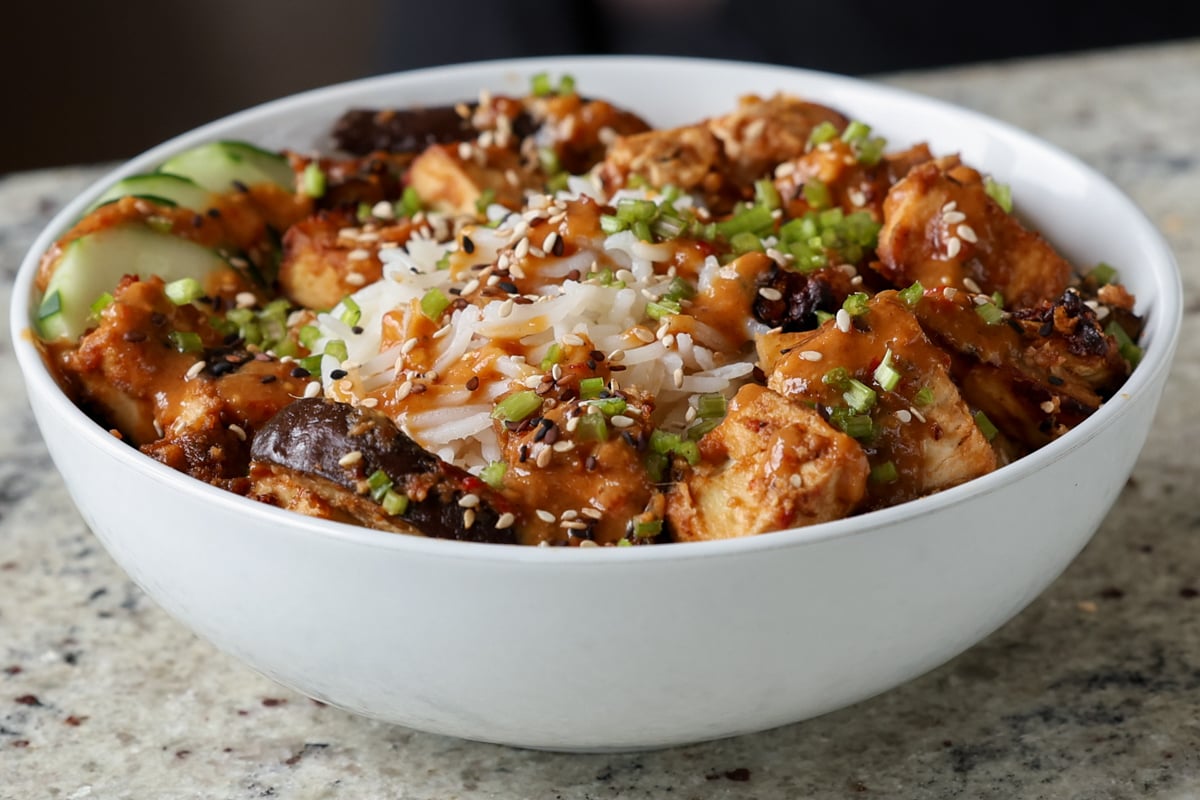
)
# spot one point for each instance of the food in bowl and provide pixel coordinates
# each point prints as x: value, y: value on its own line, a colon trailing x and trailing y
x: 537, y: 320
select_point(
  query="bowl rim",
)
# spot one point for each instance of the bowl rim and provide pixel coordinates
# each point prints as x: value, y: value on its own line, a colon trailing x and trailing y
x: 1164, y: 323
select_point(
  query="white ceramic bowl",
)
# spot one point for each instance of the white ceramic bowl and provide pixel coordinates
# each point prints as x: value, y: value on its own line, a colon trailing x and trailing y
x: 632, y: 647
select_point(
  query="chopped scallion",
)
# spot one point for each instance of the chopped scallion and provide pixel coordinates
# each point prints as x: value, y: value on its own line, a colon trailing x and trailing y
x: 592, y: 428
x: 313, y: 180
x: 380, y: 484
x: 858, y: 395
x: 337, y: 349
x: 886, y: 374
x: 590, y: 388
x: 351, y: 311
x: 434, y: 303
x: 990, y: 313
x: 493, y: 474
x: 648, y: 529
x: 308, y: 335
x: 610, y: 406
x: 1127, y: 347
x: 924, y: 396
x: 1103, y: 273
x: 986, y: 427
x: 186, y: 341
x: 394, y: 503
x: 825, y: 132
x: 710, y: 406
x: 817, y: 194
x: 912, y: 295
x: 540, y: 86
x: 1000, y: 192
x: 856, y: 304
x: 884, y: 473
x: 102, y: 302
x: 553, y: 356
x: 517, y: 406
x: 183, y: 291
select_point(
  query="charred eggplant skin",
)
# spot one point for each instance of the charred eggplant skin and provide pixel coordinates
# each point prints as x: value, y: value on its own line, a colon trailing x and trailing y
x: 365, y: 130
x: 312, y: 437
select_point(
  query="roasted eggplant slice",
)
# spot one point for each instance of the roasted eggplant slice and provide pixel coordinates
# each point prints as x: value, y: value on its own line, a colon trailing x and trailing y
x: 353, y: 464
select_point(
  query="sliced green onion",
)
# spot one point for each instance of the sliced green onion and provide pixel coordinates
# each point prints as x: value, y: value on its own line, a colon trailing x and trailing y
x: 308, y: 335
x: 1000, y: 192
x: 697, y: 431
x: 756, y: 219
x: 857, y: 426
x: 380, y: 484
x: 838, y: 378
x: 311, y: 363
x: 351, y: 311
x: 51, y: 305
x: 517, y: 406
x: 337, y: 349
x: 485, y: 199
x: 434, y: 303
x: 1128, y: 348
x: 822, y: 316
x: 709, y: 406
x: 540, y: 86
x: 410, y: 202
x: 765, y: 194
x: 986, y: 427
x: 924, y: 396
x: 493, y: 474
x: 1103, y: 273
x: 998, y: 299
x: 566, y: 84
x: 632, y: 210
x: 856, y: 132
x: 912, y: 295
x: 656, y: 465
x: 679, y: 289
x: 745, y: 242
x: 648, y: 529
x: 610, y: 406
x: 592, y: 428
x: 990, y: 313
x: 183, y: 291
x: 689, y: 450
x: 870, y: 151
x: 856, y: 304
x: 885, y: 374
x: 364, y: 213
x: 313, y: 180
x: 102, y: 302
x: 553, y: 356
x: 663, y: 442
x: 394, y: 503
x: 663, y: 307
x: 817, y: 194
x: 858, y: 395
x: 548, y: 160
x: 825, y: 132
x: 884, y: 473
x: 611, y: 224
x: 186, y: 341
x: 590, y: 388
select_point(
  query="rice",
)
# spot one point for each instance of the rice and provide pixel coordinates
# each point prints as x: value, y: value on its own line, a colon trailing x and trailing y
x: 596, y: 296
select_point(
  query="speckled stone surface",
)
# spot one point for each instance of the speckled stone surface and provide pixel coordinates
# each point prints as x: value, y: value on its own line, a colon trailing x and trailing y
x: 1092, y: 692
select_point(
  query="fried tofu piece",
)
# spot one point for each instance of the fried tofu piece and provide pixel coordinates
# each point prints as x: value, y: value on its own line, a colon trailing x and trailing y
x: 446, y: 181
x: 852, y: 186
x: 929, y: 437
x: 324, y: 259
x: 760, y: 134
x: 687, y: 157
x: 941, y: 228
x: 1037, y: 373
x: 771, y: 464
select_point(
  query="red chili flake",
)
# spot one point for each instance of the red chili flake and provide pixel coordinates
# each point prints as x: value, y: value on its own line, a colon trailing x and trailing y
x: 271, y: 702
x: 182, y: 753
x: 21, y: 743
x: 74, y: 721
x: 29, y: 700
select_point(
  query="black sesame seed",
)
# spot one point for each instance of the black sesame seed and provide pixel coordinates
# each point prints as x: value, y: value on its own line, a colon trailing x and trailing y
x: 1055, y: 380
x: 215, y: 213
x: 472, y: 383
x: 157, y: 319
x: 523, y: 454
x: 356, y: 329
x: 591, y: 364
x: 617, y: 367
x: 222, y: 368
x: 241, y: 187
x: 300, y: 372
x: 559, y: 246
x: 551, y: 434
x: 629, y: 440
x: 468, y: 245
x: 508, y: 286
x: 573, y: 275
x: 590, y: 463
x: 338, y: 374
x: 1047, y: 328
x: 267, y: 379
x: 596, y: 355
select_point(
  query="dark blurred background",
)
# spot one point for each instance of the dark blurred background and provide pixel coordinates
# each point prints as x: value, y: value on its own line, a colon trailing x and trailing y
x: 87, y: 81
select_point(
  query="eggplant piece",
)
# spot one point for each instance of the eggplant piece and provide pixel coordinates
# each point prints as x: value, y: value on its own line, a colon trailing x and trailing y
x: 366, y: 130
x: 305, y: 459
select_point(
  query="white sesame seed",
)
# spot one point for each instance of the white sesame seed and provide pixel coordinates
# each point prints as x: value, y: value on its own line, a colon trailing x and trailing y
x: 468, y: 518
x: 408, y: 345
x: 952, y: 217
x: 785, y: 169
x: 563, y: 446
x: 796, y: 481
x: 621, y: 421
x: 575, y: 525
x: 245, y: 299
x: 811, y: 355
x: 355, y: 278
x: 572, y: 339
x: 556, y: 371
x: 158, y: 428
x: 350, y: 459
x: 770, y: 293
x: 404, y: 390
x: 677, y: 376
x: 347, y: 233
x: 471, y: 286
x: 953, y: 204
x: 432, y: 375
x: 383, y: 209
x: 549, y: 242
x: 588, y: 542
x: 543, y: 458
x: 506, y: 520
x: 239, y: 262
x: 981, y: 299
x: 857, y: 198
x: 531, y: 381
x: 312, y: 389
x: 368, y: 237
x: 537, y: 252
x: 616, y: 356
x: 506, y: 308
x: 238, y: 431
x: 842, y: 320
x: 572, y: 424
x: 544, y: 515
x: 904, y: 416
x: 920, y: 417
x: 1101, y: 312
x: 641, y: 333
x: 967, y: 234
x: 950, y: 293
x: 358, y: 254
x: 971, y: 286
x: 1048, y: 406
x: 569, y: 514
x: 464, y: 150
x: 668, y: 340
x: 593, y: 513
x: 953, y: 245
x: 690, y: 414
x: 469, y: 500
x: 194, y: 370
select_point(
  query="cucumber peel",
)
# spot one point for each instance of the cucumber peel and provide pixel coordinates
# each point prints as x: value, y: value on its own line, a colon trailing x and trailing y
x: 221, y: 166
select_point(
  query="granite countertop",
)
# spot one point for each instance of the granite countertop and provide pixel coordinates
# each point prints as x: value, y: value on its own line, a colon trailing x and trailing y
x: 1091, y: 692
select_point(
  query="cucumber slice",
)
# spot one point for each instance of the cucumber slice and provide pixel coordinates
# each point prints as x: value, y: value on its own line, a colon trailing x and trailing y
x: 174, y: 189
x: 92, y: 265
x: 217, y: 165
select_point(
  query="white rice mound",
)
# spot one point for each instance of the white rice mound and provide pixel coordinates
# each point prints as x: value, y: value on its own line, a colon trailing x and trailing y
x: 459, y: 430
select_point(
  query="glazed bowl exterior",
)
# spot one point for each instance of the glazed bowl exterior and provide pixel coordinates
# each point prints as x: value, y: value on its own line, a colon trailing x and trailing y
x: 607, y: 648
